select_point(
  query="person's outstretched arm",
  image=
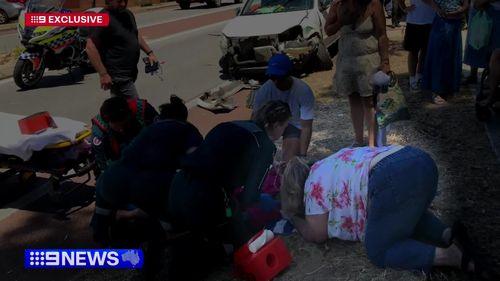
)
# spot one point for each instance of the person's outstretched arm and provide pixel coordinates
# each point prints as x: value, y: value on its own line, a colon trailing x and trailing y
x: 96, y: 60
x: 98, y: 148
x: 146, y: 49
x: 305, y: 136
x: 314, y: 228
x: 332, y: 24
x: 381, y: 35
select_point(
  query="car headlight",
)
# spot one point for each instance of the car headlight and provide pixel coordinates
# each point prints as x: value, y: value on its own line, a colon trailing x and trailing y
x: 224, y: 44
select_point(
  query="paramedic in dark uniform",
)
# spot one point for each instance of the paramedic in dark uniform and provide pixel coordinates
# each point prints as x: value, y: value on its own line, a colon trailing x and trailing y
x: 223, y: 176
x: 118, y: 122
x: 139, y: 181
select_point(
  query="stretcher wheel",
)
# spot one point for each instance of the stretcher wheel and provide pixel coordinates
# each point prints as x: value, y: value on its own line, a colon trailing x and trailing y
x: 54, y: 186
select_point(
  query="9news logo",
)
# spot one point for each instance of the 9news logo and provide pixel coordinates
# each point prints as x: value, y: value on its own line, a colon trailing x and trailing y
x: 83, y: 258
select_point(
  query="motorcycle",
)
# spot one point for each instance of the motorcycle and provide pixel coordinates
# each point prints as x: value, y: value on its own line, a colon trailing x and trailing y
x: 48, y: 47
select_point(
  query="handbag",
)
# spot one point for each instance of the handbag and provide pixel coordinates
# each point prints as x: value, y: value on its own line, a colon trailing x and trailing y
x: 391, y: 103
x: 481, y: 25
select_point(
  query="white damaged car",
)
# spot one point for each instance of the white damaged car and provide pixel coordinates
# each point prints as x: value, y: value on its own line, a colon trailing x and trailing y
x: 265, y: 27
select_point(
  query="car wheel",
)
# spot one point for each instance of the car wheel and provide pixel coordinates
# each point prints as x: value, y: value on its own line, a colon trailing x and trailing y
x: 226, y: 63
x: 333, y: 49
x: 185, y: 4
x: 4, y: 18
x: 214, y: 3
x: 324, y: 60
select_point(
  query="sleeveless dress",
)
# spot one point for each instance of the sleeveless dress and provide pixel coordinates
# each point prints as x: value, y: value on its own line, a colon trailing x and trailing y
x: 358, y: 59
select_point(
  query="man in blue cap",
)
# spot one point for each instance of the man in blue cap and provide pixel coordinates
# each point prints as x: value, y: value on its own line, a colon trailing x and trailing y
x: 299, y: 96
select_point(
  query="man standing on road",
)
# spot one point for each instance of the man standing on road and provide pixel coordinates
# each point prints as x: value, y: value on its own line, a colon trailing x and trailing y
x: 298, y: 95
x: 114, y: 50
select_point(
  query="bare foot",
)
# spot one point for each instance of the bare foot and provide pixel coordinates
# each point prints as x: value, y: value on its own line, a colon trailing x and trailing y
x: 131, y: 215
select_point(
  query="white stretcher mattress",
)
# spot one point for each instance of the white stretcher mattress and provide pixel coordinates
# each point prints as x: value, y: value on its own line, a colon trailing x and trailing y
x: 12, y: 142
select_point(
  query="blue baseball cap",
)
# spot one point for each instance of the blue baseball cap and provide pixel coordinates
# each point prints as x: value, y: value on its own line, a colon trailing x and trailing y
x: 279, y: 65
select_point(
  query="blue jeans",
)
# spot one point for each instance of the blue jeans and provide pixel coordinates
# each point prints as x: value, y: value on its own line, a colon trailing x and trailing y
x: 401, y: 233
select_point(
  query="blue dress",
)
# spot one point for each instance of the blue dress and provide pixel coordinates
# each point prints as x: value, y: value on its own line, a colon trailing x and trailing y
x: 443, y: 63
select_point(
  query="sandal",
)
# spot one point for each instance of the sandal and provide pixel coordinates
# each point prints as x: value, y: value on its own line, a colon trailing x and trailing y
x: 437, y: 99
x: 460, y: 236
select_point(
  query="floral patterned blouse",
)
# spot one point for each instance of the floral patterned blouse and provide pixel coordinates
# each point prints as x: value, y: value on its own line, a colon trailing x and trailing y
x: 338, y: 185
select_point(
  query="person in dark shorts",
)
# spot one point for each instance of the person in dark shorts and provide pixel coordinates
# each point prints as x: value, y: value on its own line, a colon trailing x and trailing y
x: 298, y: 95
x: 114, y: 50
x: 419, y: 23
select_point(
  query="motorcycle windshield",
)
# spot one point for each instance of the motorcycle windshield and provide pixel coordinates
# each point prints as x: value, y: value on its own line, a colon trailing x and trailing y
x: 44, y: 6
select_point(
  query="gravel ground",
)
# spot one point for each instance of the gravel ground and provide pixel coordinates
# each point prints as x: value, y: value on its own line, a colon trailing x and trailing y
x: 468, y: 184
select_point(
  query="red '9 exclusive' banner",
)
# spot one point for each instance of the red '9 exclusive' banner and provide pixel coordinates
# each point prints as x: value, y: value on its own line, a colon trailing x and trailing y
x: 66, y: 19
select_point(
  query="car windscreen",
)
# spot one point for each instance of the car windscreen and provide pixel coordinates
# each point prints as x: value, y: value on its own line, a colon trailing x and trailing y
x: 44, y: 6
x: 256, y: 7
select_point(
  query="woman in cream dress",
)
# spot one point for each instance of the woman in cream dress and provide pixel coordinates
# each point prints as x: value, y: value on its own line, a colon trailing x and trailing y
x: 363, y: 50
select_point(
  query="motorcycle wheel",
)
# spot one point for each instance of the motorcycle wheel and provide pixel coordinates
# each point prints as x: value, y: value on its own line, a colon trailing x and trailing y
x: 24, y: 75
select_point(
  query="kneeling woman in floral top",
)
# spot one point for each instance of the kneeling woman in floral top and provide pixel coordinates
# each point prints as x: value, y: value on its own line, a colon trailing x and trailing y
x: 378, y: 195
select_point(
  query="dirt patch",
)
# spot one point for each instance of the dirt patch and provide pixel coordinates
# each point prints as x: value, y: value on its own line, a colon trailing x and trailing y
x: 5, y: 58
x: 468, y: 184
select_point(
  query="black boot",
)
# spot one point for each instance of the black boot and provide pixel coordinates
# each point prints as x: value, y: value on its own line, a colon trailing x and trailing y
x: 101, y: 226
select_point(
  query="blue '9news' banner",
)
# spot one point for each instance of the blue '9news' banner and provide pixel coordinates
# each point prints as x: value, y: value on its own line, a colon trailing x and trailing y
x: 83, y: 258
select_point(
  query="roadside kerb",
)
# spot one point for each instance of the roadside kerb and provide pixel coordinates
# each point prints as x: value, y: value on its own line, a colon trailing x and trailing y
x: 6, y: 70
x: 151, y: 33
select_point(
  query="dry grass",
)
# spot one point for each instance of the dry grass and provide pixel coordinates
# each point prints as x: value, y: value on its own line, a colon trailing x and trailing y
x: 468, y: 185
x: 12, y: 55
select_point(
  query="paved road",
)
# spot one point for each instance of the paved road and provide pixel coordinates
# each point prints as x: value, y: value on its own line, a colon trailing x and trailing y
x: 191, y: 53
x: 191, y: 67
x: 9, y: 39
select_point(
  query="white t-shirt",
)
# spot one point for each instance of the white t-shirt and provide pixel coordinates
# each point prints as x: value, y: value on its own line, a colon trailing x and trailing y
x: 422, y: 14
x: 300, y: 98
